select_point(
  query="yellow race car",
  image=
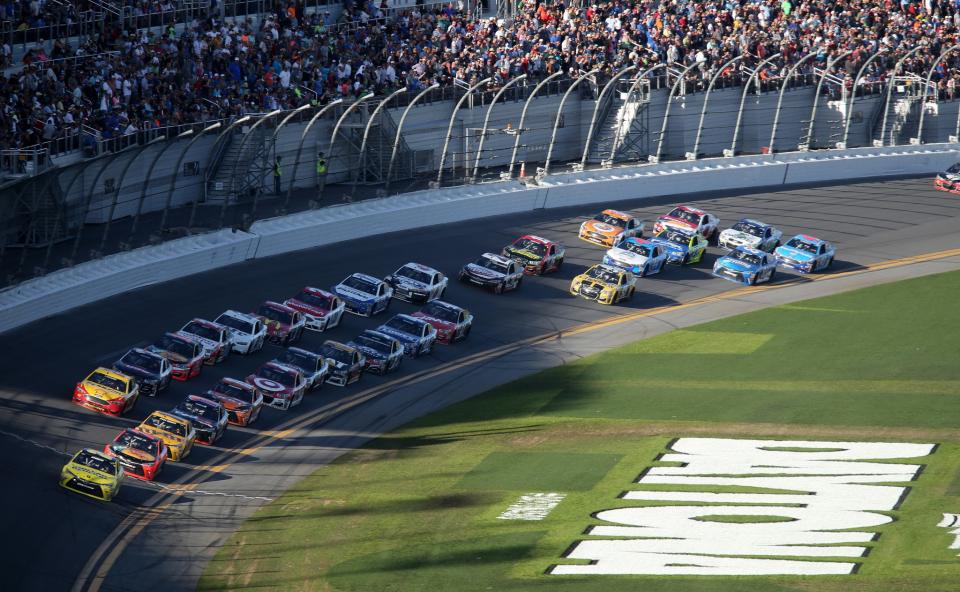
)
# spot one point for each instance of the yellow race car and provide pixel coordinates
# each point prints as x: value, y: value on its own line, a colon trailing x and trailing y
x: 605, y: 284
x: 93, y: 474
x: 107, y: 391
x: 178, y: 434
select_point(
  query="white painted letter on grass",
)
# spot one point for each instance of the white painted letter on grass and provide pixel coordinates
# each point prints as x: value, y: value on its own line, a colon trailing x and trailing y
x: 532, y: 506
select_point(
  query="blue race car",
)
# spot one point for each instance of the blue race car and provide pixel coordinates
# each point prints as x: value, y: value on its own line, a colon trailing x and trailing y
x: 638, y: 256
x: 383, y: 353
x: 416, y: 335
x: 746, y: 266
x: 806, y: 254
x: 364, y: 294
x: 682, y: 246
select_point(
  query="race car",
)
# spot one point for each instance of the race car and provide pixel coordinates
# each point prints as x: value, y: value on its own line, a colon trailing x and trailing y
x: 746, y: 266
x: 284, y: 324
x: 282, y: 386
x: 750, y: 233
x: 141, y: 455
x: 493, y: 271
x: 178, y: 434
x: 682, y: 247
x: 416, y: 283
x: 321, y: 309
x: 315, y: 367
x: 949, y: 180
x: 416, y: 335
x: 689, y: 219
x: 208, y: 417
x: 605, y: 284
x: 242, y: 401
x: 93, y: 474
x: 213, y: 337
x: 638, y: 256
x: 382, y: 353
x: 151, y: 371
x: 247, y: 332
x: 185, y: 354
x: 535, y: 254
x: 346, y: 362
x: 609, y: 227
x: 107, y: 391
x: 451, y: 322
x: 364, y: 295
x: 806, y: 254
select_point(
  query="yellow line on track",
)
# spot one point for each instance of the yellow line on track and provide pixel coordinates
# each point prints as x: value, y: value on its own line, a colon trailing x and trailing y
x: 111, y: 548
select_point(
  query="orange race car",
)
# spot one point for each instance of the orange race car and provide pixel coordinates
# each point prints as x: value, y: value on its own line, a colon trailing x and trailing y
x: 609, y: 227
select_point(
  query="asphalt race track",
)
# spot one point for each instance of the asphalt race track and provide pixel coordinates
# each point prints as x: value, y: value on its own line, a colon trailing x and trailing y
x: 50, y: 534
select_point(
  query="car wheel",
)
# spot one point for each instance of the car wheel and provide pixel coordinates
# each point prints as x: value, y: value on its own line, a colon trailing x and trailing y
x: 644, y: 271
x: 519, y: 281
x: 559, y: 264
x: 686, y: 259
x: 443, y: 293
x: 498, y: 289
x: 773, y: 274
x: 829, y: 263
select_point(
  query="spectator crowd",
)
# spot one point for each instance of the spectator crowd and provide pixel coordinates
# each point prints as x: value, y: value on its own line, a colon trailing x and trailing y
x: 122, y: 81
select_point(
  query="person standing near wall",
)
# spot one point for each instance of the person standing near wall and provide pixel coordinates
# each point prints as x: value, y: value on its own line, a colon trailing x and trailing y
x: 276, y: 176
x: 321, y: 170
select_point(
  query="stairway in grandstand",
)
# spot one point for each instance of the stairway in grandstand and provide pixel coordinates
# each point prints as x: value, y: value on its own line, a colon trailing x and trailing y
x: 372, y: 167
x: 622, y: 124
x: 239, y: 168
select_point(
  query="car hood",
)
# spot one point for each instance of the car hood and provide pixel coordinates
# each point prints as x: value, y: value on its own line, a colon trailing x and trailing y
x: 98, y: 391
x: 206, y: 344
x: 352, y: 294
x: 522, y: 253
x: 676, y: 222
x: 195, y: 419
x: 736, y: 264
x: 669, y: 245
x: 307, y: 308
x: 168, y: 438
x: 398, y: 335
x: 172, y: 356
x: 626, y: 256
x: 408, y: 284
x: 230, y: 402
x: 795, y: 254
x: 601, y: 228
x: 369, y: 352
x: 269, y: 386
x: 133, y: 453
x: 91, y: 475
x: 137, y: 371
x: 483, y: 272
x: 586, y: 280
x: 437, y: 323
x: 743, y: 237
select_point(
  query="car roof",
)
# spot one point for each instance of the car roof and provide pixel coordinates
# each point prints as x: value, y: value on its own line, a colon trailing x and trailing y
x: 95, y: 452
x: 365, y: 277
x: 690, y: 209
x: 202, y: 400
x: 282, y: 367
x: 111, y: 373
x: 185, y: 337
x: 277, y: 305
x: 535, y: 238
x: 205, y: 323
x: 617, y: 214
x: 314, y: 290
x: 419, y: 267
x: 447, y: 305
x: 235, y: 382
x: 810, y: 239
x: 142, y: 351
x: 240, y: 315
x: 498, y: 258
x: 377, y: 336
x: 637, y: 241
x: 338, y: 345
x: 137, y: 432
x: 752, y: 221
x: 304, y: 352
x: 166, y: 416
x: 606, y: 267
x: 751, y: 251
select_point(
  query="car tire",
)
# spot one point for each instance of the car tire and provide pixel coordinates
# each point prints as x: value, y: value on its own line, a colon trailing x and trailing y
x: 686, y: 259
x: 559, y: 264
x: 829, y: 263
x: 498, y: 289
x: 644, y: 271
x: 773, y: 274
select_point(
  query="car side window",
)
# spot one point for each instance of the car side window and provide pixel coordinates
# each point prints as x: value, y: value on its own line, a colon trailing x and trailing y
x: 460, y: 318
x: 380, y: 290
x: 553, y: 250
x: 820, y: 250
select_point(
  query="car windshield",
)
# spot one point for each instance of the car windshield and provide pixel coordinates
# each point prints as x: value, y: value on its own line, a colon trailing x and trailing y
x: 493, y: 264
x: 639, y: 249
x: 801, y: 245
x: 954, y: 169
x: 404, y: 325
x: 313, y: 299
x: 374, y: 344
x: 235, y: 323
x: 176, y: 346
x: 745, y: 257
x: 749, y: 228
x: 414, y: 274
x: 281, y: 316
x: 147, y: 362
x: 685, y: 215
x: 526, y: 244
x: 131, y: 439
x: 335, y: 353
x: 101, y: 379
x: 234, y: 391
x: 296, y: 359
x: 439, y: 311
x: 95, y: 462
x: 164, y: 424
x: 361, y: 285
x: 198, y: 409
x: 611, y: 220
x: 195, y: 328
x: 604, y: 275
x: 271, y: 373
x: 678, y: 238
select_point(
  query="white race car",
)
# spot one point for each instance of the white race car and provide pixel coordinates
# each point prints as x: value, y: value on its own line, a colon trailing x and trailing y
x: 247, y: 332
x: 417, y: 283
x: 752, y: 234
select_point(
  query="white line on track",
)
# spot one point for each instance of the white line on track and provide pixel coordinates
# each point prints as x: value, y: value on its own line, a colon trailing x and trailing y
x: 35, y: 443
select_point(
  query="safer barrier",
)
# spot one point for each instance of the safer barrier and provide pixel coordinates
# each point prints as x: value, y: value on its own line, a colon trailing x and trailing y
x: 112, y: 275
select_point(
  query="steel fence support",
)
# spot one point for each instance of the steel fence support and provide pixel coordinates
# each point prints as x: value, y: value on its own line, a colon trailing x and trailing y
x: 523, y: 117
x: 643, y: 75
x: 366, y: 135
x: 89, y: 200
x: 456, y: 108
x: 146, y: 184
x: 816, y: 97
x: 743, y: 100
x: 66, y: 194
x: 236, y: 163
x: 396, y: 138
x: 336, y: 129
x: 303, y: 136
x: 556, y: 120
x: 216, y: 143
x: 176, y: 171
x: 116, y: 194
x: 783, y: 88
x: 853, y: 95
x: 926, y: 89
x: 486, y: 122
x: 596, y: 111
x: 886, y: 104
x: 666, y: 114
x: 706, y: 100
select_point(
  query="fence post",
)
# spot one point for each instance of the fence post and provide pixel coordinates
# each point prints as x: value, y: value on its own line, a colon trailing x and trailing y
x: 596, y: 111
x: 486, y: 122
x: 890, y: 82
x: 816, y: 97
x: 176, y: 171
x: 643, y: 75
x: 556, y: 120
x: 853, y: 95
x: 216, y: 144
x: 523, y: 117
x: 89, y: 200
x: 116, y: 194
x: 366, y: 134
x: 143, y: 191
x: 446, y: 141
x: 666, y: 114
x: 396, y: 139
x: 303, y: 136
x: 336, y: 130
x: 783, y: 88
x: 743, y: 100
x: 926, y: 89
x: 706, y: 99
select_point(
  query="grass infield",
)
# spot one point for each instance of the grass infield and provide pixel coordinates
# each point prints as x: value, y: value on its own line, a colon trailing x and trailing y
x: 417, y: 509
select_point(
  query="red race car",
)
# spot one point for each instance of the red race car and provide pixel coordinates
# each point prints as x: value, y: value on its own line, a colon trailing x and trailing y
x: 949, y: 180
x: 536, y: 254
x: 451, y: 322
x: 184, y: 353
x: 322, y: 310
x: 689, y: 219
x: 282, y: 386
x: 284, y: 324
x: 141, y: 455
